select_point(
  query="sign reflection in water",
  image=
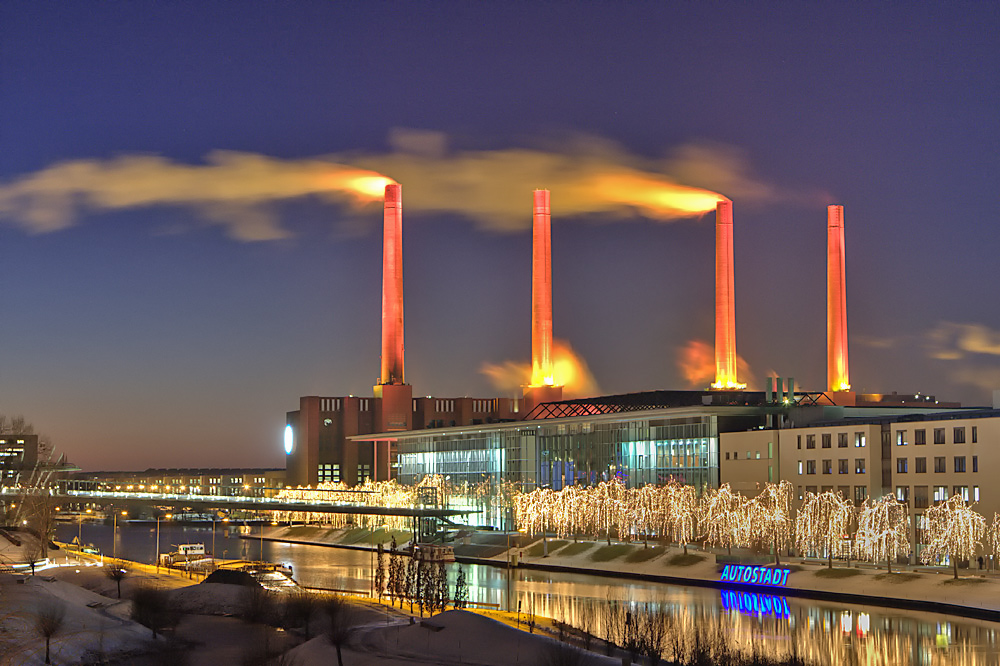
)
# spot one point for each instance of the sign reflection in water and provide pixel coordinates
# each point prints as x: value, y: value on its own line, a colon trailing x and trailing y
x: 821, y: 632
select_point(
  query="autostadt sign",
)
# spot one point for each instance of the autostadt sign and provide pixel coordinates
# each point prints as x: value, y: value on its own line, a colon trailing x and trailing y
x: 735, y: 573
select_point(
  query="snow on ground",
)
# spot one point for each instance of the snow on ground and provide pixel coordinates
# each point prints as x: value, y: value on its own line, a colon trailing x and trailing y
x: 452, y: 637
x: 89, y: 626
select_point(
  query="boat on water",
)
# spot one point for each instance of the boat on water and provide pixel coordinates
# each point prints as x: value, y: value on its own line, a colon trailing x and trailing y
x: 187, y: 554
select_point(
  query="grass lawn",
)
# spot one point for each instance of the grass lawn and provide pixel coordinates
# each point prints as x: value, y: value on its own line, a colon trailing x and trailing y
x: 901, y: 577
x: 645, y: 554
x: 964, y: 581
x: 608, y: 553
x: 576, y: 549
x: 682, y: 560
x: 303, y: 531
x: 538, y: 549
x: 837, y: 573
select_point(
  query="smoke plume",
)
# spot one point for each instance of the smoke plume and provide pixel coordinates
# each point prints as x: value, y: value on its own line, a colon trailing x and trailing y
x: 589, y: 177
x: 696, y: 362
x: 569, y: 371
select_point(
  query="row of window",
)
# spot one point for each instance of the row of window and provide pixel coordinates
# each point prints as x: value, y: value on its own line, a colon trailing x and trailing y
x: 940, y: 466
x: 827, y: 440
x: 920, y: 436
x: 842, y: 466
x: 860, y: 492
x: 922, y: 495
x: 938, y: 493
x: 902, y: 465
x: 330, y: 472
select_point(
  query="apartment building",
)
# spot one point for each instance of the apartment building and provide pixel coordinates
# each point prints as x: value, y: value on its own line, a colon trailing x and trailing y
x: 920, y: 458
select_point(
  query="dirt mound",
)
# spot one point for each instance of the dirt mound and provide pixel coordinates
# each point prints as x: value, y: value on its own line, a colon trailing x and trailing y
x: 229, y: 577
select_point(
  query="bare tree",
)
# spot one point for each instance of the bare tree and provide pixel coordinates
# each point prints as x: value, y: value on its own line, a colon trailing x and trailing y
x: 257, y: 604
x: 299, y: 609
x: 396, y: 574
x: 33, y: 553
x: 340, y: 616
x: 442, y: 595
x: 461, y: 590
x: 379, y: 572
x: 116, y: 572
x: 152, y: 609
x: 49, y: 619
x: 410, y: 582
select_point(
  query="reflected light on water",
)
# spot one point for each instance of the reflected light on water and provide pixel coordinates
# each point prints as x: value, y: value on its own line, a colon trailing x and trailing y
x: 822, y: 633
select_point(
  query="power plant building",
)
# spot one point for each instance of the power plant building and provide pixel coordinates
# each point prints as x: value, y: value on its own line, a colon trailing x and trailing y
x: 638, y: 438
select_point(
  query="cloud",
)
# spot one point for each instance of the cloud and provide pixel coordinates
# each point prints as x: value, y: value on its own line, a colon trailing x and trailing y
x: 588, y: 176
x: 951, y: 341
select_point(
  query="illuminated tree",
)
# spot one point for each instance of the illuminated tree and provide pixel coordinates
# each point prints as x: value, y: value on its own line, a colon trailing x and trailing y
x: 608, y: 506
x: 768, y: 519
x: 994, y: 536
x: 883, y: 530
x: 682, y: 513
x: 954, y: 530
x: 720, y: 516
x: 822, y: 522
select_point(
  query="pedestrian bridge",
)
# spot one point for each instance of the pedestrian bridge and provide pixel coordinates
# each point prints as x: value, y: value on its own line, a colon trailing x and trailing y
x: 199, y: 502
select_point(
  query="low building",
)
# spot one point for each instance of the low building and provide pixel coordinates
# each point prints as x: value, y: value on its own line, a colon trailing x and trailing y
x: 246, y: 482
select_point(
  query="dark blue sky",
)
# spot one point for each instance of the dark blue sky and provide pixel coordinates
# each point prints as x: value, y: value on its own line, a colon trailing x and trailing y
x: 148, y: 336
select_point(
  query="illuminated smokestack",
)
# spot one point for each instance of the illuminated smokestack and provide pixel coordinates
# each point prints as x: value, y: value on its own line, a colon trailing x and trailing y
x: 725, y: 303
x: 392, y: 287
x: 541, y: 291
x: 837, y: 370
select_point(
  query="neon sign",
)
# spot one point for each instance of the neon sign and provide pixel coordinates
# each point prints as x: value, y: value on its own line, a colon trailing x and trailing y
x: 751, y: 603
x: 735, y: 573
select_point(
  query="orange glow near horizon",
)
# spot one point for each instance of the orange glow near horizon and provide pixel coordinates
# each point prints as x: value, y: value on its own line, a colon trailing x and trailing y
x: 655, y: 196
x: 542, y: 373
x: 725, y: 301
x: 837, y: 369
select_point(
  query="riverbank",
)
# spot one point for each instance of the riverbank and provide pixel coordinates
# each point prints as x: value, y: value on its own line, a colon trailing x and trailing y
x: 974, y: 594
x: 212, y: 626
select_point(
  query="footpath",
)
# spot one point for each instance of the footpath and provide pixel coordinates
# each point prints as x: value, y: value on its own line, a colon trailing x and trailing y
x: 975, y: 594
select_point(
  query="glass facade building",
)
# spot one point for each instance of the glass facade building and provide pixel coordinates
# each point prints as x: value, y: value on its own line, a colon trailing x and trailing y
x: 650, y: 446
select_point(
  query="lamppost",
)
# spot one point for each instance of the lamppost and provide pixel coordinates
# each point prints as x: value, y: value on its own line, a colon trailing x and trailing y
x: 157, y: 555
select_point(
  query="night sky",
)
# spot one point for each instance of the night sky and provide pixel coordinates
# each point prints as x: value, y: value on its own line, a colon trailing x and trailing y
x: 173, y: 279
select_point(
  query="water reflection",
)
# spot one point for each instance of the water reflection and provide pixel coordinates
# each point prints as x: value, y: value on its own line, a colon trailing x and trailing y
x: 820, y: 632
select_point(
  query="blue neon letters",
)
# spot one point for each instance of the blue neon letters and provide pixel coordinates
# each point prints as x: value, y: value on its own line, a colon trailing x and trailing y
x: 735, y: 573
x: 751, y: 603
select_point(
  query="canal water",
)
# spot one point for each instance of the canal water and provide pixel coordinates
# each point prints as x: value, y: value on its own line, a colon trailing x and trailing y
x: 819, y: 631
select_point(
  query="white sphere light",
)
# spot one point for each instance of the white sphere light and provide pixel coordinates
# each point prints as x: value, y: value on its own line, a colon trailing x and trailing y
x: 289, y: 439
